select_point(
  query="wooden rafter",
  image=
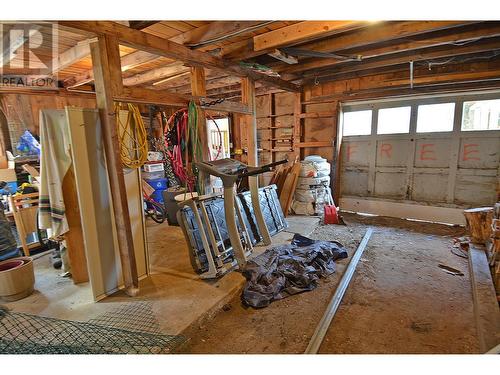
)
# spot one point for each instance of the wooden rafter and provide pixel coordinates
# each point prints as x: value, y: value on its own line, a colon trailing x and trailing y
x: 300, y: 32
x: 140, y: 25
x: 444, y: 79
x: 217, y: 29
x: 128, y: 62
x: 456, y: 39
x: 425, y: 55
x: 71, y: 55
x: 156, y: 74
x: 156, y: 45
x: 195, y: 36
x: 378, y: 33
x: 363, y: 36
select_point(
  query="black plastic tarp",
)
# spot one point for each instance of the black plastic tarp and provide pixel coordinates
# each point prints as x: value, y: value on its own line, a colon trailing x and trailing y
x: 285, y: 270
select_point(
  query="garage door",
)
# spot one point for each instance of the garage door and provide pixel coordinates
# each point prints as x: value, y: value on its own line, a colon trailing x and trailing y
x: 422, y: 158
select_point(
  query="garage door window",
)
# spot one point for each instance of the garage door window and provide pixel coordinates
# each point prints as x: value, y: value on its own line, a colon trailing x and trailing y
x: 394, y: 120
x: 357, y: 123
x: 435, y: 117
x: 481, y: 115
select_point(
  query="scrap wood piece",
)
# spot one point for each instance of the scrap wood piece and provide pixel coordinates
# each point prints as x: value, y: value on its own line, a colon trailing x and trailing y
x: 31, y: 170
x: 289, y: 186
x: 486, y: 311
x: 450, y: 270
x: 324, y: 324
x: 479, y: 222
x: 280, y: 181
x: 277, y: 172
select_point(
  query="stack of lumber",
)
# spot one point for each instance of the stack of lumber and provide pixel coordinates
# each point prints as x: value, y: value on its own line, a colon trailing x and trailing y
x: 286, y: 178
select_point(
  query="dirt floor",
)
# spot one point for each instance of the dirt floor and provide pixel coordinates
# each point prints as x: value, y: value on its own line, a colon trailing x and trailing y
x: 399, y: 300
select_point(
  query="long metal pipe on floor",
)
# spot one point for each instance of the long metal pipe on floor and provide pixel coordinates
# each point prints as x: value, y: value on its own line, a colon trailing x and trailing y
x: 324, y: 324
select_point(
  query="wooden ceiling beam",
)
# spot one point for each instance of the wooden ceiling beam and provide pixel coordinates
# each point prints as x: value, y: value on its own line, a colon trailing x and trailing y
x: 404, y: 91
x: 284, y: 57
x: 71, y: 56
x: 200, y: 35
x: 213, y: 30
x: 488, y: 31
x: 243, y: 50
x: 156, y: 74
x: 128, y: 62
x: 140, y: 25
x: 379, y: 33
x: 224, y: 89
x: 379, y: 62
x: 475, y: 72
x: 136, y: 58
x: 180, y: 81
x: 449, y: 77
x: 367, y: 35
x: 160, y: 46
x: 146, y: 96
x: 170, y: 79
x: 194, y: 36
x: 211, y: 83
x: 300, y: 32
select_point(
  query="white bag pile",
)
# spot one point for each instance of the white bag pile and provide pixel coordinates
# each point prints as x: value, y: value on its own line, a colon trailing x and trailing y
x: 312, y: 186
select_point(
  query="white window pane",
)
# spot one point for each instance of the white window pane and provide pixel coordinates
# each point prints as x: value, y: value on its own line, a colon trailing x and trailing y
x: 435, y: 117
x: 481, y: 115
x: 393, y: 120
x: 358, y: 123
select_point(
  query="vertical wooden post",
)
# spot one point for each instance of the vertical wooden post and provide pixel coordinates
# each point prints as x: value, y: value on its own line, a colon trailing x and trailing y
x: 108, y: 82
x: 250, y: 121
x: 198, y: 88
x: 297, y: 128
x: 337, y: 162
x: 273, y: 131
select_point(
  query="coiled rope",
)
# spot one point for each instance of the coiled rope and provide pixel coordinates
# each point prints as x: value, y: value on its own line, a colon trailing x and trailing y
x: 133, y: 141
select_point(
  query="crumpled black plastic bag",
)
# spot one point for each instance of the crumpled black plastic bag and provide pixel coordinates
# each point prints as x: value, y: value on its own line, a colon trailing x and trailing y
x: 285, y: 270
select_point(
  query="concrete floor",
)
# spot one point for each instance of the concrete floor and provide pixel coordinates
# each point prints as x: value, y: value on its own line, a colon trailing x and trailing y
x: 177, y: 296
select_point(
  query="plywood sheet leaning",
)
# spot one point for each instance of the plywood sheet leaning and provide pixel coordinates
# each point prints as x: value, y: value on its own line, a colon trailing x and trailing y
x: 286, y: 195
